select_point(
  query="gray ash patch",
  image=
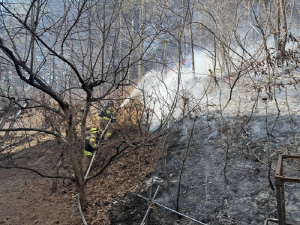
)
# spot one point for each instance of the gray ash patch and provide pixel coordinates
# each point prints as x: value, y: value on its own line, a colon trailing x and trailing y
x: 242, y: 197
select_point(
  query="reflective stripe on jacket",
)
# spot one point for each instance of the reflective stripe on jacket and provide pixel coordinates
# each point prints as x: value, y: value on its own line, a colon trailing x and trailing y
x: 88, y: 153
x: 105, y: 118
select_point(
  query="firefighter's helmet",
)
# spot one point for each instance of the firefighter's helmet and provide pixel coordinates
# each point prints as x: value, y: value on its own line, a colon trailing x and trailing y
x: 110, y: 103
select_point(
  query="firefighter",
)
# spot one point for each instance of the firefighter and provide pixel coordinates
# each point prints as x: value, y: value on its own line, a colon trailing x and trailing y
x: 91, y: 142
x: 106, y: 113
x: 90, y: 146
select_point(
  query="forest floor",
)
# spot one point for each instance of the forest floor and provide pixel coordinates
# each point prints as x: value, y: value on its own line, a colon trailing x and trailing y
x: 27, y: 198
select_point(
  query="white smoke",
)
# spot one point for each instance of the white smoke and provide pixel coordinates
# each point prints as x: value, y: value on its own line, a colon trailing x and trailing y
x: 171, y: 95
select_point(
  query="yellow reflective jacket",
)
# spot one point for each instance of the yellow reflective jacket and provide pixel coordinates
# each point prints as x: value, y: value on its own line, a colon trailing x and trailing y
x: 108, y: 113
x: 91, y: 143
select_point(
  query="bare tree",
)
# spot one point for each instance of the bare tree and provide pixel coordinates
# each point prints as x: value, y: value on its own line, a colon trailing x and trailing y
x: 84, y: 51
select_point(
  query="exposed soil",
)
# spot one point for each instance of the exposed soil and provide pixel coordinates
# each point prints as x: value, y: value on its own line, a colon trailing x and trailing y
x: 26, y: 198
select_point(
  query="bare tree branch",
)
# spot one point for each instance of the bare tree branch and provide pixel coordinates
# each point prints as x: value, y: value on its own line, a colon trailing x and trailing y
x: 37, y: 172
x: 38, y: 130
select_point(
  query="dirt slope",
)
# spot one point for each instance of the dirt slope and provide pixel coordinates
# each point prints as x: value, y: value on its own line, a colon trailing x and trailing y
x: 26, y: 198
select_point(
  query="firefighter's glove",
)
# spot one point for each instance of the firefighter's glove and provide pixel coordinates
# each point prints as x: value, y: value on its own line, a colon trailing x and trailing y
x: 98, y: 138
x: 102, y: 114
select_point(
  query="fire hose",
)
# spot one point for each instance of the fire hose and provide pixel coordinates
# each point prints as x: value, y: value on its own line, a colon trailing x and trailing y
x: 87, y: 172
